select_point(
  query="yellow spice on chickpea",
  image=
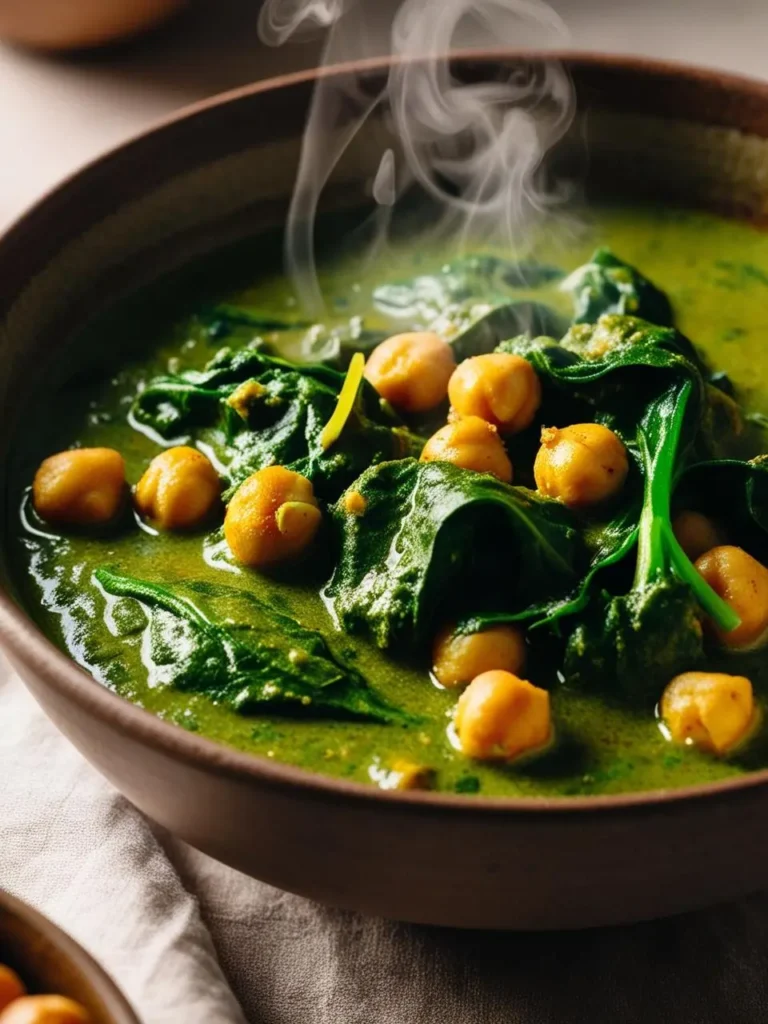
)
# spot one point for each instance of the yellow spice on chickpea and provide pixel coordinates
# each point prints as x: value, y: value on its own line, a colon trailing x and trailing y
x: 500, y: 716
x: 742, y: 582
x: 272, y: 517
x: 710, y: 710
x: 499, y: 387
x: 457, y: 658
x: 179, y: 490
x: 471, y: 443
x: 81, y: 487
x: 411, y: 371
x: 580, y: 465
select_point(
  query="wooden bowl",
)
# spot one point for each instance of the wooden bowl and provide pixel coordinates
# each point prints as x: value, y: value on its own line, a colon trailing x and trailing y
x: 49, y: 962
x: 220, y: 171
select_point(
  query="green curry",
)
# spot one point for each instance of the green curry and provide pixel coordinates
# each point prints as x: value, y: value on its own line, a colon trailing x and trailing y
x: 324, y: 661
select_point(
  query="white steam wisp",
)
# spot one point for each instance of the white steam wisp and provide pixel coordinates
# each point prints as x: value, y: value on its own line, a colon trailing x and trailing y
x: 474, y: 147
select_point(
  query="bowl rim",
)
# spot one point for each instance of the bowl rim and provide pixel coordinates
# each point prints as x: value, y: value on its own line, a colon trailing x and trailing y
x: 105, y: 988
x: 27, y: 643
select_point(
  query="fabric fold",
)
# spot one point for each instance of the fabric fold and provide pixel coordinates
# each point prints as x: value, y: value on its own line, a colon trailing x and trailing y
x: 77, y: 850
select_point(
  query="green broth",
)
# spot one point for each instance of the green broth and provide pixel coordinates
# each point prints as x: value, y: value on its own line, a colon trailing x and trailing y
x: 715, y: 273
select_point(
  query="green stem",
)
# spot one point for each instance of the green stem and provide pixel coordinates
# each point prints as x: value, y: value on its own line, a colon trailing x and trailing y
x: 657, y: 545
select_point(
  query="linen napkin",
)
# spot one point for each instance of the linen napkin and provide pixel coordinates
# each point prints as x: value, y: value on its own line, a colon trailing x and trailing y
x: 78, y: 851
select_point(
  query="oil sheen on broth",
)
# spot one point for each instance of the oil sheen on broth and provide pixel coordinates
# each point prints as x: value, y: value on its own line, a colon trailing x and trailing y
x: 715, y: 273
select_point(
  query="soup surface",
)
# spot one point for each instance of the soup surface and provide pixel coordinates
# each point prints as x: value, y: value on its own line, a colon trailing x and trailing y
x: 715, y: 274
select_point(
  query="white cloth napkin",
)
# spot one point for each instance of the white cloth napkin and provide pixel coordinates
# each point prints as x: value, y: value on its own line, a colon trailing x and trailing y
x: 78, y: 851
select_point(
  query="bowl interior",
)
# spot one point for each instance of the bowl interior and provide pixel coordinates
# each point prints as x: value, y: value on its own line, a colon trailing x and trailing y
x: 225, y: 173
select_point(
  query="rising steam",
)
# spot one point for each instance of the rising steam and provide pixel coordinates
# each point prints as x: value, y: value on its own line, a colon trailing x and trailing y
x: 475, y: 148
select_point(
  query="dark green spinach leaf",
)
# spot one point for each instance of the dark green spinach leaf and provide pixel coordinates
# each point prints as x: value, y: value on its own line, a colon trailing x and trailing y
x: 223, y: 320
x: 433, y: 538
x: 263, y: 661
x: 609, y: 285
x: 483, y: 278
x: 281, y: 420
x: 735, y: 494
x: 479, y: 334
x: 638, y: 380
x: 636, y: 642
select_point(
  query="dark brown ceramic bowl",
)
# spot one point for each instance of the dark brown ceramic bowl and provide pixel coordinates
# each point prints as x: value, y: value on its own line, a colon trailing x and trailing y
x: 223, y: 170
x: 49, y: 962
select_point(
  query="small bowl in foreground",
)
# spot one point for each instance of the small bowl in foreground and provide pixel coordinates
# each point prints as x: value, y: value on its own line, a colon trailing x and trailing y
x: 49, y: 962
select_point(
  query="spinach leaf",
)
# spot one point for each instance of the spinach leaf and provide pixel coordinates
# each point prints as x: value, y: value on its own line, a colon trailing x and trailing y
x: 278, y: 418
x: 613, y: 333
x: 233, y: 366
x: 637, y: 379
x: 223, y: 320
x: 482, y: 278
x: 594, y: 368
x: 735, y: 494
x: 609, y: 285
x: 264, y: 661
x: 636, y: 642
x: 590, y: 352
x: 434, y: 537
x: 478, y: 334
x: 472, y: 302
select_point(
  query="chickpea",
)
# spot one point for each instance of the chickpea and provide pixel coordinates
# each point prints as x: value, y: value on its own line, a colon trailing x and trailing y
x: 695, y: 533
x: 708, y: 709
x: 500, y: 716
x: 272, y: 517
x: 81, y: 487
x: 406, y: 774
x: 179, y: 489
x: 411, y: 371
x: 470, y: 443
x: 580, y: 465
x: 45, y: 1010
x: 742, y: 582
x: 458, y: 658
x: 11, y: 986
x: 499, y: 387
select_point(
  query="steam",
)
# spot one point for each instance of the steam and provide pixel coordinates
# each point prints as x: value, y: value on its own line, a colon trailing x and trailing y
x: 474, y: 147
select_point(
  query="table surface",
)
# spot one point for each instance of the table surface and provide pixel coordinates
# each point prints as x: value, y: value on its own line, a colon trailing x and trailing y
x: 57, y: 113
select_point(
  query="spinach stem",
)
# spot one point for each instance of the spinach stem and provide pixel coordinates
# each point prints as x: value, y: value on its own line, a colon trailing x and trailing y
x: 657, y: 547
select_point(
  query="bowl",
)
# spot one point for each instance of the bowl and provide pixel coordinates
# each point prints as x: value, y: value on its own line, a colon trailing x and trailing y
x: 52, y: 25
x: 218, y: 172
x: 49, y: 962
